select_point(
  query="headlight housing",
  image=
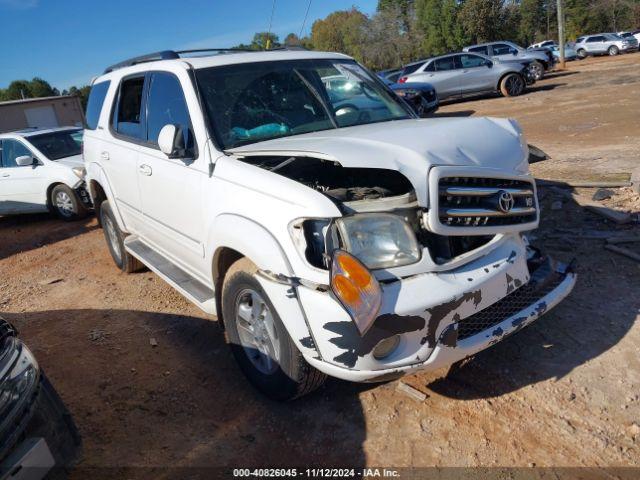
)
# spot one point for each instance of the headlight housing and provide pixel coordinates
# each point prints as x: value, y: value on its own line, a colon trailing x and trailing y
x: 19, y: 381
x: 379, y: 240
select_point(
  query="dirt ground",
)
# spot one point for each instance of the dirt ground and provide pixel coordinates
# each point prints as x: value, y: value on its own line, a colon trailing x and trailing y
x: 562, y: 392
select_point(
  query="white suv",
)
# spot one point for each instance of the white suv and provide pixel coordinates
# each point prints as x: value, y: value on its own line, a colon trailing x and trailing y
x: 362, y: 242
x: 43, y: 169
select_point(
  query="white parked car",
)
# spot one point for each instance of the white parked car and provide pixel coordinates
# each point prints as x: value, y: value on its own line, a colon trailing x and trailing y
x: 43, y: 170
x: 358, y: 244
x: 604, y: 44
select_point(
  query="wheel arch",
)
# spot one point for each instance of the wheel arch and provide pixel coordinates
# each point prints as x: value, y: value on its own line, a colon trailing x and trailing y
x: 233, y: 237
x: 49, y: 192
x: 98, y: 195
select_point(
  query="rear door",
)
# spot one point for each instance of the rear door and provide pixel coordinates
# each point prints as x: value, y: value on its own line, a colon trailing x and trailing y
x: 22, y: 189
x: 444, y: 74
x: 119, y: 150
x: 171, y: 189
x: 476, y: 74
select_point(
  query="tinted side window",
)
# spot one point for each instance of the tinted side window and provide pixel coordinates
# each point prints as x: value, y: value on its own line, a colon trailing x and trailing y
x: 502, y: 49
x: 411, y: 68
x: 598, y: 38
x: 431, y: 67
x: 472, y: 61
x: 443, y: 64
x: 580, y: 39
x: 166, y: 106
x: 10, y: 150
x: 128, y: 116
x: 94, y: 105
x: 483, y: 50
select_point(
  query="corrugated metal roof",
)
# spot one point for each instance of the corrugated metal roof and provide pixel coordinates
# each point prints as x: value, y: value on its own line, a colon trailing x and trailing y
x: 40, y: 99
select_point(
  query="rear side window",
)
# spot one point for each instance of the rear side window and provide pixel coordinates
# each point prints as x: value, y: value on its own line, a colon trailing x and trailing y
x: 483, y: 50
x: 128, y: 118
x: 447, y: 63
x: 598, y: 38
x: 166, y: 105
x: 94, y: 105
x: 409, y: 69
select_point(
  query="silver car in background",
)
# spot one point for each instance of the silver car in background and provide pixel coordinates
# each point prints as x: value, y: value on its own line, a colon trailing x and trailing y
x: 604, y: 44
x: 540, y: 61
x: 461, y: 74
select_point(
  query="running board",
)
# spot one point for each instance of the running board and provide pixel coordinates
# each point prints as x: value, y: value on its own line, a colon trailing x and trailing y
x: 187, y: 285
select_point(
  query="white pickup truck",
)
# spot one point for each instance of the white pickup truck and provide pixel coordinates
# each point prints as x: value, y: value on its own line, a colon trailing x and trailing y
x: 356, y: 241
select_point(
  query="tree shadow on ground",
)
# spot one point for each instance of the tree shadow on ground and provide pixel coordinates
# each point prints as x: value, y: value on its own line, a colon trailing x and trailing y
x: 21, y: 233
x: 183, y: 403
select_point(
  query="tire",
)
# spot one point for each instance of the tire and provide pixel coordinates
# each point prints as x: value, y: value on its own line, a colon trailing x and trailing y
x: 66, y: 204
x: 259, y: 341
x: 537, y: 70
x: 512, y: 85
x: 582, y: 53
x: 115, y: 241
x: 613, y: 50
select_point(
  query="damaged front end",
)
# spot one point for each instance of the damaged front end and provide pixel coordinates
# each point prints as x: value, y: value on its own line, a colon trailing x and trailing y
x: 416, y: 284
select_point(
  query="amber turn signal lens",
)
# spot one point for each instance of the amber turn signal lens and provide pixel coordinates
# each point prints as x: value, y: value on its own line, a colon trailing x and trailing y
x: 356, y: 288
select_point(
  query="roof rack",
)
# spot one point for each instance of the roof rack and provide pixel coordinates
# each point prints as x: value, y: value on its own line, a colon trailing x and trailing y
x: 175, y: 54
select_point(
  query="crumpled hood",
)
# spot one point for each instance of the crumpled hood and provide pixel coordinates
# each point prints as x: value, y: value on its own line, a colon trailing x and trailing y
x: 75, y: 161
x: 410, y: 146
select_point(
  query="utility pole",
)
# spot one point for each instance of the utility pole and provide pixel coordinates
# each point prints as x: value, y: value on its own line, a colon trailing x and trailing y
x: 561, y: 34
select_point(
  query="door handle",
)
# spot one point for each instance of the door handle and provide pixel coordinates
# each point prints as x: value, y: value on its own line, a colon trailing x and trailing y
x: 104, y: 155
x: 5, y: 175
x: 145, y: 170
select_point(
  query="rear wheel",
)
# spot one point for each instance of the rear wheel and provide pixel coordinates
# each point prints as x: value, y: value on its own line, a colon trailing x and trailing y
x: 66, y: 204
x: 259, y: 341
x: 512, y: 85
x: 115, y: 241
x: 613, y: 50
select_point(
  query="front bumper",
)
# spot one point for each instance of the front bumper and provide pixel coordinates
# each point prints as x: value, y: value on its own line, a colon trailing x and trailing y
x: 441, y: 318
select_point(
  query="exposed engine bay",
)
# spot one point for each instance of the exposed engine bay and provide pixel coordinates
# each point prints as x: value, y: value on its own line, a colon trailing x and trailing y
x: 359, y: 191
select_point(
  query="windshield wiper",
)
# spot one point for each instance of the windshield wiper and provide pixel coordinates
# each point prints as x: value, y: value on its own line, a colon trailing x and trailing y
x: 318, y: 97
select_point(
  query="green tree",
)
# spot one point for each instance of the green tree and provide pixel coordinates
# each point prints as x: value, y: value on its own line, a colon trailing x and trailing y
x: 341, y: 31
x: 438, y: 22
x: 483, y: 20
x: 532, y: 21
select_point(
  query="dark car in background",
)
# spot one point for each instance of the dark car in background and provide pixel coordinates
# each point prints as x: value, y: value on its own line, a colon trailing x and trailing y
x: 37, y: 433
x: 421, y: 96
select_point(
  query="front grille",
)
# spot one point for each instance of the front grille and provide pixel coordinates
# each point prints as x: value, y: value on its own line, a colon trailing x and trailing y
x: 510, y: 305
x: 476, y: 202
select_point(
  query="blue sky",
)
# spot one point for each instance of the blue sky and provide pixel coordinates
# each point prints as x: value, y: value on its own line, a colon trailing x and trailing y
x: 67, y: 42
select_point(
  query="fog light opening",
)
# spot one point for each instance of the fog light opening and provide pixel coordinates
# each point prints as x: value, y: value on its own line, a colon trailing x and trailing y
x: 386, y: 347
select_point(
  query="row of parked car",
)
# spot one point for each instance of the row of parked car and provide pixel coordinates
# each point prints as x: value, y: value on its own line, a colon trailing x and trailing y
x: 502, y: 67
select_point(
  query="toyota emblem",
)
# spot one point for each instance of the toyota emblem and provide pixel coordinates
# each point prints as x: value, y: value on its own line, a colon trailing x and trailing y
x: 505, y: 201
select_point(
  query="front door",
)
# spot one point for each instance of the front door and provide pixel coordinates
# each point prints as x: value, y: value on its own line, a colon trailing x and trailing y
x: 22, y: 189
x: 476, y: 75
x: 170, y: 189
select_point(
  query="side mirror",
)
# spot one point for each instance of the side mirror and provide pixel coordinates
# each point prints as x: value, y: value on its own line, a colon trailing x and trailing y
x: 489, y: 64
x: 171, y: 141
x: 514, y: 53
x: 25, y: 161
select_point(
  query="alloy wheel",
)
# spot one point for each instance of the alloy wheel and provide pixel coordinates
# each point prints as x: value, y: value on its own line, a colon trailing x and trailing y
x: 256, y: 330
x: 514, y: 85
x: 64, y: 204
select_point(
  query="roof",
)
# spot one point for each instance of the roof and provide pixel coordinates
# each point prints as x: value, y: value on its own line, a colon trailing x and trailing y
x: 30, y: 132
x: 39, y: 99
x: 230, y: 58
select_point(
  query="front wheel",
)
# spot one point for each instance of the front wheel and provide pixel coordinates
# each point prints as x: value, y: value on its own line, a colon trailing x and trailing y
x: 537, y: 70
x: 259, y: 341
x: 66, y: 204
x: 613, y: 50
x: 582, y: 53
x: 512, y: 85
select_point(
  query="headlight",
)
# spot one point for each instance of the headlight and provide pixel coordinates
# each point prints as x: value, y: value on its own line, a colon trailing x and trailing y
x: 80, y: 172
x: 379, y: 240
x: 17, y: 384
